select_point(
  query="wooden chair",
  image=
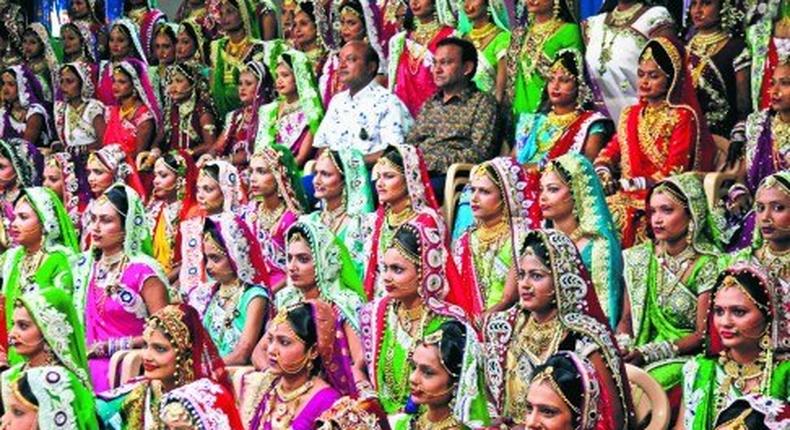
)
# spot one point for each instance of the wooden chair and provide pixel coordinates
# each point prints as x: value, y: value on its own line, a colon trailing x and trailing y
x: 237, y: 374
x: 457, y: 177
x: 114, y: 369
x: 714, y: 189
x: 124, y: 366
x: 651, y: 405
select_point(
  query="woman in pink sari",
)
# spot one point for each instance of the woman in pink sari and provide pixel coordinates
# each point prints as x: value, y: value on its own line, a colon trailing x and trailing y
x: 124, y: 43
x: 133, y: 121
x: 117, y: 285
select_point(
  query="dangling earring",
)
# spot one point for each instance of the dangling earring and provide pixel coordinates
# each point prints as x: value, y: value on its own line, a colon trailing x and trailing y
x: 690, y: 234
x: 557, y: 8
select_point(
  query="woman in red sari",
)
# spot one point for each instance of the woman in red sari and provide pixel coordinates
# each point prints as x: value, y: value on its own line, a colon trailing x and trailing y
x: 133, y: 122
x: 664, y: 134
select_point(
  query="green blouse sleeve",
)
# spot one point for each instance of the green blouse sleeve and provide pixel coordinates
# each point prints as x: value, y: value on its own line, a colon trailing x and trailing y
x: 780, y: 382
x: 569, y: 36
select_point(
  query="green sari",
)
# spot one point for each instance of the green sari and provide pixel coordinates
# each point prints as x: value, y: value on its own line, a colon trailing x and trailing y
x: 55, y: 257
x: 336, y: 278
x: 63, y: 401
x: 529, y: 59
x: 469, y: 403
x: 664, y: 307
x: 358, y: 198
x: 706, y: 387
x: 601, y: 255
x: 52, y: 311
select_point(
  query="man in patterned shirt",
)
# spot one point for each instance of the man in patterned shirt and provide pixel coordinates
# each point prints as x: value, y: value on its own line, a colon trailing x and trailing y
x: 366, y: 116
x: 458, y: 124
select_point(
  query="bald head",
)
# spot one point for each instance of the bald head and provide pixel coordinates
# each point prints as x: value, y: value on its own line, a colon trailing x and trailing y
x: 358, y: 65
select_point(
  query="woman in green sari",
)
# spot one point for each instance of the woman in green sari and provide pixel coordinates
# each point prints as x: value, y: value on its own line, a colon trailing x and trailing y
x: 557, y: 311
x: 485, y: 24
x: 48, y: 336
x: 447, y: 382
x: 415, y: 278
x: 551, y: 28
x: 46, y: 247
x: 572, y: 201
x: 745, y: 346
x: 340, y: 181
x: 47, y: 398
x: 668, y: 282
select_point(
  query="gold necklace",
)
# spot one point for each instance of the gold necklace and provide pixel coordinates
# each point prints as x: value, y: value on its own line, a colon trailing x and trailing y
x: 334, y: 218
x: 126, y: 112
x: 619, y: 18
x: 781, y: 139
x: 541, y: 339
x: 424, y: 33
x: 408, y: 316
x: 657, y: 122
x: 267, y: 219
x: 283, y: 405
x: 777, y: 263
x: 235, y: 49
x: 705, y: 46
x: 449, y: 422
x: 478, y: 36
x: 562, y: 120
x: 28, y: 268
x: 532, y: 51
x: 738, y: 375
x: 397, y: 219
x: 678, y: 264
x: 488, y: 236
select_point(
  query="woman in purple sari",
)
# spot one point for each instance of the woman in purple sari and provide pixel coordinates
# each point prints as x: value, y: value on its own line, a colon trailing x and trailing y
x: 24, y: 113
x: 309, y: 361
x: 768, y: 132
x: 117, y: 285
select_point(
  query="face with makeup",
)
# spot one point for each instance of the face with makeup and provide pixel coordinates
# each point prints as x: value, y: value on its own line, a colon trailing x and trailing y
x: 400, y: 276
x: 25, y: 336
x: 8, y: 178
x: 107, y: 229
x: 209, y: 194
x: 556, y: 197
x: 535, y: 284
x: 26, y: 228
x: 99, y: 176
x: 53, y: 178
x: 431, y: 384
x: 300, y: 263
x: 546, y: 410
x: 159, y: 356
x: 668, y: 218
x: 737, y: 318
x: 772, y: 207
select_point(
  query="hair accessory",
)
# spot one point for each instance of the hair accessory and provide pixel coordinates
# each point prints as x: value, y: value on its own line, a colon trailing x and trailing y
x: 730, y: 281
x: 213, y: 244
x: 547, y: 375
x: 20, y: 397
x: 672, y: 193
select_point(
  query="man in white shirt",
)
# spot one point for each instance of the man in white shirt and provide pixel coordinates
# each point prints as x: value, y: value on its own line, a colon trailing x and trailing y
x: 365, y: 116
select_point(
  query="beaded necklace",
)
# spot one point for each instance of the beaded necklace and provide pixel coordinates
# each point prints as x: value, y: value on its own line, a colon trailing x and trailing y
x: 532, y: 50
x: 618, y: 23
x: 481, y: 37
x: 705, y: 46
